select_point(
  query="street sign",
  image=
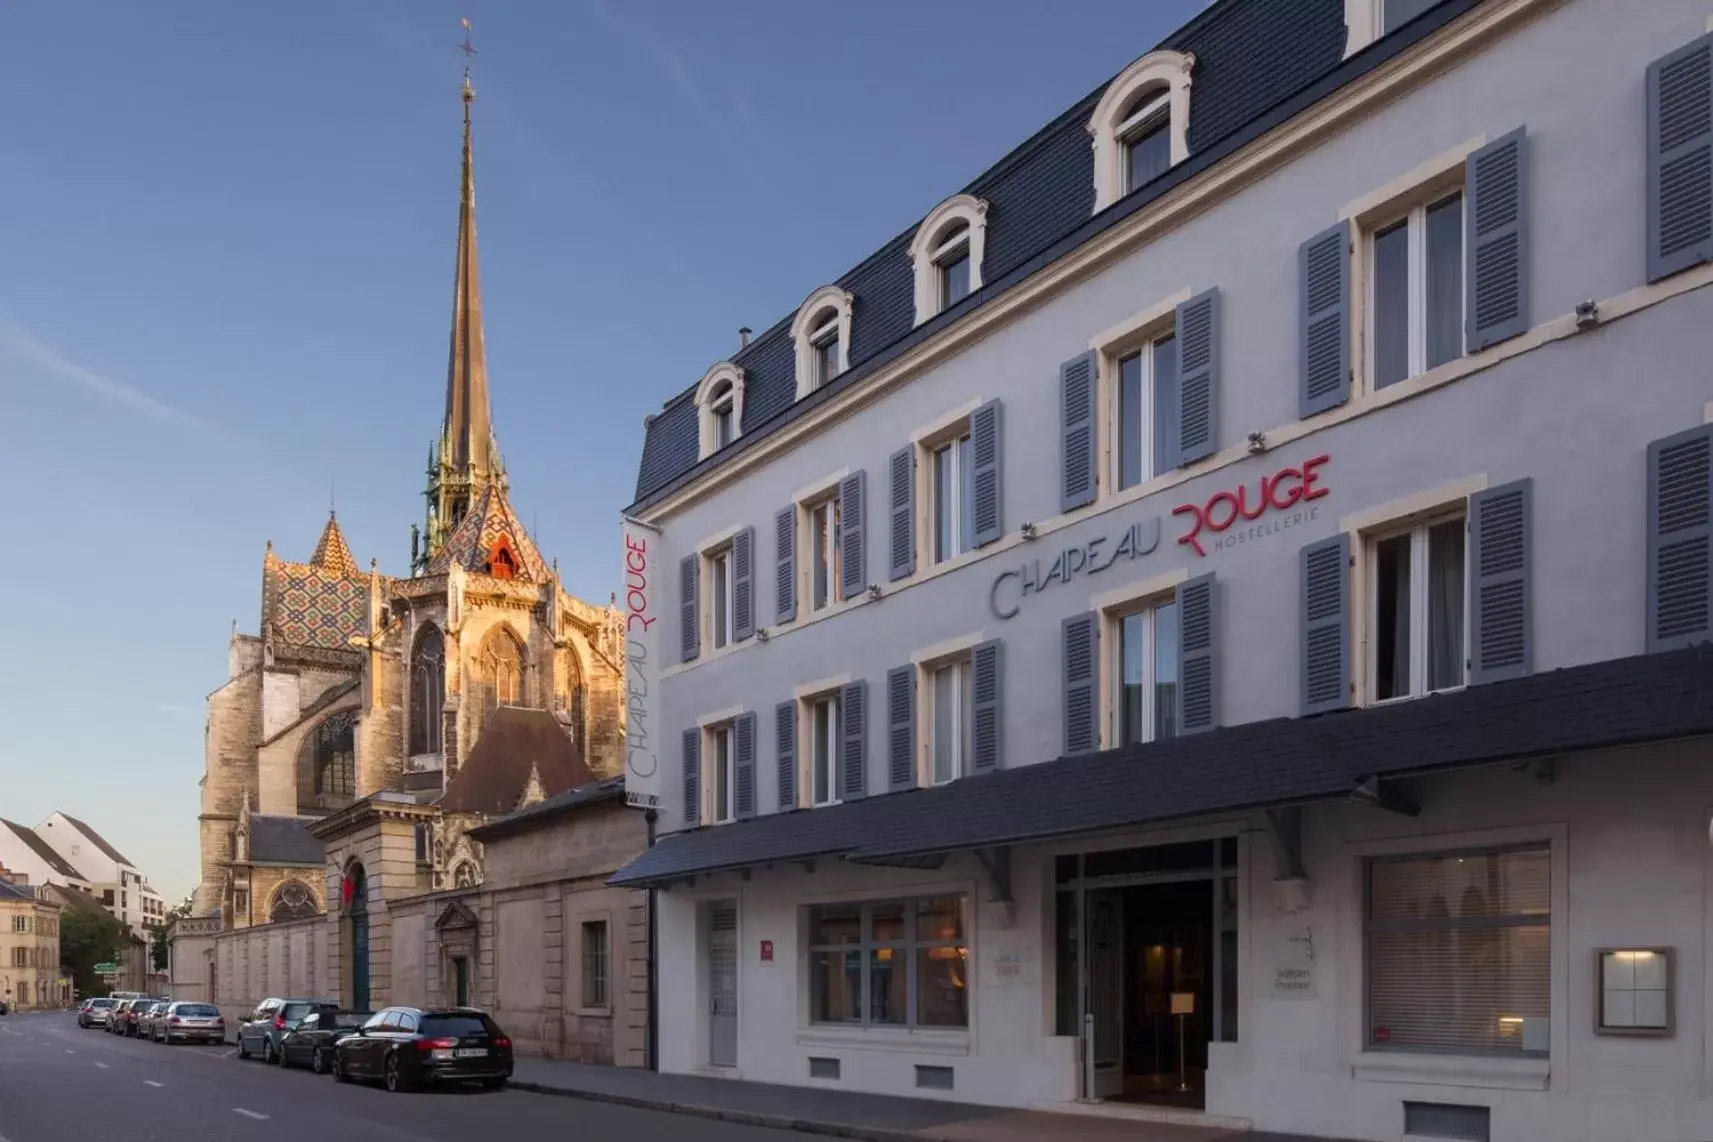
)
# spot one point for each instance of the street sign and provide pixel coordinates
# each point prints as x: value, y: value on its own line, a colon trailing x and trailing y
x: 106, y: 969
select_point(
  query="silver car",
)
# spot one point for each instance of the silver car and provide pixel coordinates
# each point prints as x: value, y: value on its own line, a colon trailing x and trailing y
x: 185, y: 1022
x: 148, y: 1014
x: 94, y: 1013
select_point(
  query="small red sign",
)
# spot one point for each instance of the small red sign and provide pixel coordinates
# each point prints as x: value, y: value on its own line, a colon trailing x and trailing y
x: 767, y: 951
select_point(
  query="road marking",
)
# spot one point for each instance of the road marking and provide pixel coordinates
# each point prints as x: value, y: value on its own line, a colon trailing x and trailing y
x: 103, y: 1066
x: 153, y: 1083
x: 69, y: 1051
x: 249, y: 1113
x: 229, y: 1054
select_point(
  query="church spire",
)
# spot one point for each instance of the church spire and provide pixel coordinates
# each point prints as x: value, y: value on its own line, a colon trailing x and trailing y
x: 332, y: 553
x: 469, y: 429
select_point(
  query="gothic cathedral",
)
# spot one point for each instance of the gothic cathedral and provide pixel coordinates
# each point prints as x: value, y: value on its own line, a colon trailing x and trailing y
x: 471, y: 688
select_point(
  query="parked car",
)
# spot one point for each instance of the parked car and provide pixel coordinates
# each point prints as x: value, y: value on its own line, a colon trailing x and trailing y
x: 262, y: 1032
x: 134, y: 1009
x: 311, y: 1042
x: 116, y: 1018
x: 189, y: 1023
x: 250, y: 1026
x: 147, y: 1012
x: 409, y: 1046
x: 93, y: 1012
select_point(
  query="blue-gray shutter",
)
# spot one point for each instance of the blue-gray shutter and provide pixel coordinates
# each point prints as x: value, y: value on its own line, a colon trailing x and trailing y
x: 853, y: 740
x: 692, y: 777
x: 987, y: 482
x: 1080, y: 636
x: 743, y: 763
x: 853, y: 574
x: 785, y: 746
x: 1325, y: 634
x: 901, y: 727
x: 901, y: 512
x: 1198, y: 664
x: 1680, y: 540
x: 1323, y: 290
x: 743, y: 585
x: 1077, y: 428
x: 1496, y: 242
x: 987, y: 705
x: 1501, y: 620
x: 1680, y: 159
x: 785, y: 564
x: 689, y: 634
x: 1197, y: 324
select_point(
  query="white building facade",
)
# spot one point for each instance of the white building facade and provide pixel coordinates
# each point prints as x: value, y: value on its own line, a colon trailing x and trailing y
x: 1214, y: 622
x: 120, y: 885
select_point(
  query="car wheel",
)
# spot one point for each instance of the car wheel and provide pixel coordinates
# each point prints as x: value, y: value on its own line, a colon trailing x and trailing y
x: 317, y: 1062
x: 243, y: 1048
x: 393, y: 1076
x: 268, y: 1055
x: 340, y: 1075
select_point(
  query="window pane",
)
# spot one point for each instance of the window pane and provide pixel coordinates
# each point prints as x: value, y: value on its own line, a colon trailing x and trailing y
x: 1132, y: 649
x: 821, y: 751
x: 944, y: 502
x: 827, y: 354
x: 1066, y: 1018
x: 886, y: 923
x: 835, y: 924
x: 722, y: 427
x: 1165, y: 671
x: 721, y: 570
x: 955, y: 280
x: 943, y: 716
x: 1165, y: 400
x: 966, y: 497
x: 722, y: 774
x: 1470, y: 990
x: 942, y: 991
x: 1445, y: 281
x: 888, y: 985
x: 1391, y: 305
x: 1445, y: 605
x: 940, y: 918
x: 1461, y: 887
x: 835, y: 987
x: 819, y: 556
x: 1149, y: 155
x: 1392, y: 617
x: 1131, y: 414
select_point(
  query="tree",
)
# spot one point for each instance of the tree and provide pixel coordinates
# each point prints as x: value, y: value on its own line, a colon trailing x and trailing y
x: 89, y: 936
x: 160, y: 935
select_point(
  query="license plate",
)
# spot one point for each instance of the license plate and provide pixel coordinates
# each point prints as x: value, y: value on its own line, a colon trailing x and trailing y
x: 439, y: 1054
x: 471, y: 1053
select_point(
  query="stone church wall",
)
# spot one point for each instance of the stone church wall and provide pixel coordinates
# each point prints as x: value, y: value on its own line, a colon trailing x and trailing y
x: 381, y: 729
x: 253, y: 964
x: 234, y: 725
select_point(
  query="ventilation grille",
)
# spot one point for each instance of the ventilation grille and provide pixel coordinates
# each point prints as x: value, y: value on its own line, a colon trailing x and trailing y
x: 823, y: 1068
x: 1445, y: 1120
x: 934, y: 1078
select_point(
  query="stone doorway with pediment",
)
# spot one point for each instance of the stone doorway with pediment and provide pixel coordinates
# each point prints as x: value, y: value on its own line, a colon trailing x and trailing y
x: 458, y: 934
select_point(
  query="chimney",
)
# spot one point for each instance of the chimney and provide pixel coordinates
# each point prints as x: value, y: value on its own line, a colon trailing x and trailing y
x: 743, y: 338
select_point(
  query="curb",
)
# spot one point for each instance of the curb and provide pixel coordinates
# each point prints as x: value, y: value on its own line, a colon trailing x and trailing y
x: 739, y: 1117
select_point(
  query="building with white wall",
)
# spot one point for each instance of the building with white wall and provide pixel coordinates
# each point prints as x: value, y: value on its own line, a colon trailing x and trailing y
x: 29, y: 857
x: 120, y: 885
x: 1215, y: 620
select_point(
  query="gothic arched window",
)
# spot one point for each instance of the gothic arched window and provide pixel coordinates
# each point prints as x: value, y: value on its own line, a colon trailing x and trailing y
x: 427, y: 690
x: 500, y: 667
x: 333, y: 755
x: 293, y: 901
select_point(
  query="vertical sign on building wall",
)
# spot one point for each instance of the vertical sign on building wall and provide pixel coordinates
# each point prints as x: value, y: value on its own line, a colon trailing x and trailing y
x: 643, y: 561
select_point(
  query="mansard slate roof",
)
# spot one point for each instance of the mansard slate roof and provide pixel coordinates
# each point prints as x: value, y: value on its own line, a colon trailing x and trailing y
x: 284, y: 840
x: 514, y: 741
x: 1259, y: 765
x: 1258, y: 63
x: 490, y: 517
x: 43, y: 850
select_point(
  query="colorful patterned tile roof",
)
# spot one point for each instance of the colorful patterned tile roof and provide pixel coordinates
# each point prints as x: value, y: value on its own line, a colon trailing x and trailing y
x: 490, y: 517
x: 311, y: 607
x: 332, y: 553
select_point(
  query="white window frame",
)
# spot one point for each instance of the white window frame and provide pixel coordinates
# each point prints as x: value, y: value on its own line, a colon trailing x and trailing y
x: 1414, y: 216
x: 819, y: 517
x: 960, y: 218
x: 806, y: 707
x: 825, y: 313
x: 721, y: 389
x: 1153, y: 113
x: 931, y: 486
x: 1112, y: 638
x: 962, y: 663
x: 1417, y: 528
x: 953, y: 248
x: 718, y: 812
x: 1166, y: 71
x: 715, y: 598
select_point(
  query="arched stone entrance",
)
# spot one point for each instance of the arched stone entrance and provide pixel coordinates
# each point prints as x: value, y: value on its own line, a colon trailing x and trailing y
x: 354, y: 892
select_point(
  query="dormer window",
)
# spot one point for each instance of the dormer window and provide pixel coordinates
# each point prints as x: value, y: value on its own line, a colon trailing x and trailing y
x: 822, y: 332
x: 719, y: 405
x: 947, y: 253
x: 1141, y: 125
x: 502, y: 564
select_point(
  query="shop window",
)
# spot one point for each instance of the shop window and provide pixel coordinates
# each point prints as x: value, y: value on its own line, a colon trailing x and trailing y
x: 1417, y: 584
x: 1459, y: 952
x: 902, y: 963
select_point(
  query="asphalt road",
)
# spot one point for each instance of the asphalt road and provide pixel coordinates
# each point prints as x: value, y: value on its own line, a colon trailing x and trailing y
x: 60, y: 1084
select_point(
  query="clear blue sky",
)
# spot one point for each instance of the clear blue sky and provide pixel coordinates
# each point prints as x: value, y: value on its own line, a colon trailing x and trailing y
x: 225, y: 282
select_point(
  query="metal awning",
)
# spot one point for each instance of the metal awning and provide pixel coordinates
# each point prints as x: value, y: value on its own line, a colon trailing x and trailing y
x: 1271, y: 764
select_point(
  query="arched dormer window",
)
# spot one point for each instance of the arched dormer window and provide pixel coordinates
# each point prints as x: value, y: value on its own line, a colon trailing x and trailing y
x: 1141, y: 125
x: 719, y: 408
x: 822, y: 333
x: 947, y: 253
x: 502, y: 561
x: 427, y: 690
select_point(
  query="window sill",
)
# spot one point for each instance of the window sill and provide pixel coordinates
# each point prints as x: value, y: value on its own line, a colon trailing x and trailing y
x: 1452, y: 1070
x: 593, y: 1012
x: 886, y: 1039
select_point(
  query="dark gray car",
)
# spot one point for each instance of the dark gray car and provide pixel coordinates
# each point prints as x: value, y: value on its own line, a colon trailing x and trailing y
x: 274, y: 1020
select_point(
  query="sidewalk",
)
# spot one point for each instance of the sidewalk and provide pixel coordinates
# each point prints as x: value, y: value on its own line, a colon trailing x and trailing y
x: 845, y: 1114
